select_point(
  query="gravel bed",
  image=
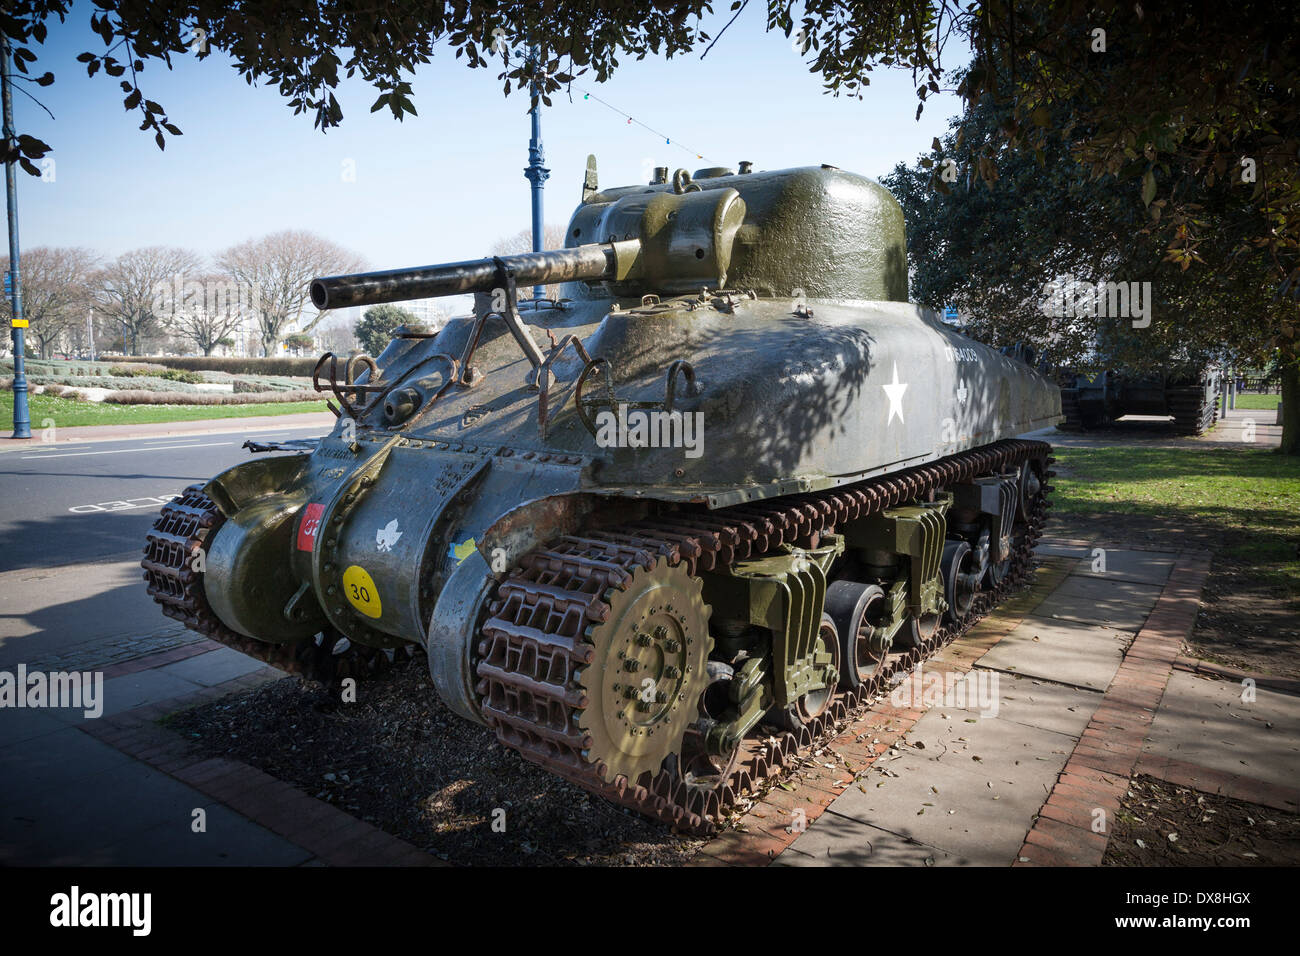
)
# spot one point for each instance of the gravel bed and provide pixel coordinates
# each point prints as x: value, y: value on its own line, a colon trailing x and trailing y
x: 1163, y: 824
x: 399, y: 759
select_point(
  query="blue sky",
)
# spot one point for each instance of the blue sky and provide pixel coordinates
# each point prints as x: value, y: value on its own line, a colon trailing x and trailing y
x: 443, y: 185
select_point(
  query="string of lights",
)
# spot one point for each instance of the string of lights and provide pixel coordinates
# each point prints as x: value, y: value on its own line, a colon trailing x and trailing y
x: 668, y: 140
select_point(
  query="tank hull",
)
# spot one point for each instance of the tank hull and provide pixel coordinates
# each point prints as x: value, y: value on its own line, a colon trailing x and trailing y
x: 852, y: 391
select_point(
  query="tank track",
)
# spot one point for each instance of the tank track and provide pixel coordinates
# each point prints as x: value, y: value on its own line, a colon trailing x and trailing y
x: 533, y: 640
x: 1193, y: 415
x: 1070, y: 409
x: 177, y: 536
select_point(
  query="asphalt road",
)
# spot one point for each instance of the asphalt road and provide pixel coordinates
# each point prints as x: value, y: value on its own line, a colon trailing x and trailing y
x: 81, y: 502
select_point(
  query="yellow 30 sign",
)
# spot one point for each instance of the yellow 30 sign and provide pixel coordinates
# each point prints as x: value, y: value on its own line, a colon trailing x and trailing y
x: 359, y: 587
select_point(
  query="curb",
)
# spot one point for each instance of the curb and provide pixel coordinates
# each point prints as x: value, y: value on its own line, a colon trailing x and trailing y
x: 160, y: 659
x: 1096, y: 776
x: 1231, y: 785
x: 78, y: 434
x: 1286, y: 685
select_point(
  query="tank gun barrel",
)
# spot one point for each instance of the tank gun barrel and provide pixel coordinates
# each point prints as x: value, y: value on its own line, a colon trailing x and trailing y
x: 592, y: 262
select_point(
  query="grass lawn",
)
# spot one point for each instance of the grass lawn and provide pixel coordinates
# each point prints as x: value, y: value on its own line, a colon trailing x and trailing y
x: 1245, y: 499
x: 1251, y: 400
x: 1240, y: 504
x: 70, y: 414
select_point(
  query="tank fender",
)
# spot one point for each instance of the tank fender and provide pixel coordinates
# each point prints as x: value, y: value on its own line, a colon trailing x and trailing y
x: 532, y: 524
x: 453, y: 625
x: 452, y: 630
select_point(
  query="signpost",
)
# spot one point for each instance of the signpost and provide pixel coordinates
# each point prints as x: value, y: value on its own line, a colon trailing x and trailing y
x: 13, y: 282
x: 536, y: 172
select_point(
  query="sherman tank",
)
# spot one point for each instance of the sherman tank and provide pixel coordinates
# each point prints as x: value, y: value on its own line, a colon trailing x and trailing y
x: 658, y: 535
x: 1190, y: 398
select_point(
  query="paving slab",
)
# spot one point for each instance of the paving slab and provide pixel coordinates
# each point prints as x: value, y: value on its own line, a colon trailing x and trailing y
x: 1106, y: 590
x: 835, y: 840
x: 214, y: 667
x: 229, y: 840
x: 1080, y: 655
x: 1044, y: 704
x: 1144, y: 567
x: 1062, y: 547
x: 74, y: 825
x: 1087, y: 610
x: 26, y: 723
x: 950, y: 808
x: 995, y: 750
x: 65, y: 758
x: 131, y: 691
x: 1206, y: 722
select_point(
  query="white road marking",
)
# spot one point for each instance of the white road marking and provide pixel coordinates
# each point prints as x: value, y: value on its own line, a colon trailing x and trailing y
x: 123, y: 451
x: 124, y: 504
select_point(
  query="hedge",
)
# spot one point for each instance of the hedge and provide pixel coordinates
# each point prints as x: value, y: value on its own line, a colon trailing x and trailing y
x: 190, y: 398
x: 110, y: 382
x: 232, y: 364
x: 266, y: 384
x: 134, y: 369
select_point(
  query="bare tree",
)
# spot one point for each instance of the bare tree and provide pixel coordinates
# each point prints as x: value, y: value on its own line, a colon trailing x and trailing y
x: 522, y: 241
x: 278, y: 269
x: 134, y: 289
x: 338, y: 338
x: 56, y: 287
x: 208, y: 309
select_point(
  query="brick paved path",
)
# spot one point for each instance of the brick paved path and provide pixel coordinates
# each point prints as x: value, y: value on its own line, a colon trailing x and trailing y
x: 1084, y: 699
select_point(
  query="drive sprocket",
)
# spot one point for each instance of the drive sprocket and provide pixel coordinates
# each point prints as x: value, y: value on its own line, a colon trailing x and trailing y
x: 648, y: 670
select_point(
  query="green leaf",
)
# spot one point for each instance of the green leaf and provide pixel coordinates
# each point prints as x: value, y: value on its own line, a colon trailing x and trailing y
x: 1148, y: 187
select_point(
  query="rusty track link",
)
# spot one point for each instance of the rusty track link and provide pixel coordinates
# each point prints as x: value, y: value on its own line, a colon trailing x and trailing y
x: 533, y: 643
x: 178, y: 535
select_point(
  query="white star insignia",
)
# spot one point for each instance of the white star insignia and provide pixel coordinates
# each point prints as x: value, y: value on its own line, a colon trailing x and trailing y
x: 894, y: 390
x: 961, y: 393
